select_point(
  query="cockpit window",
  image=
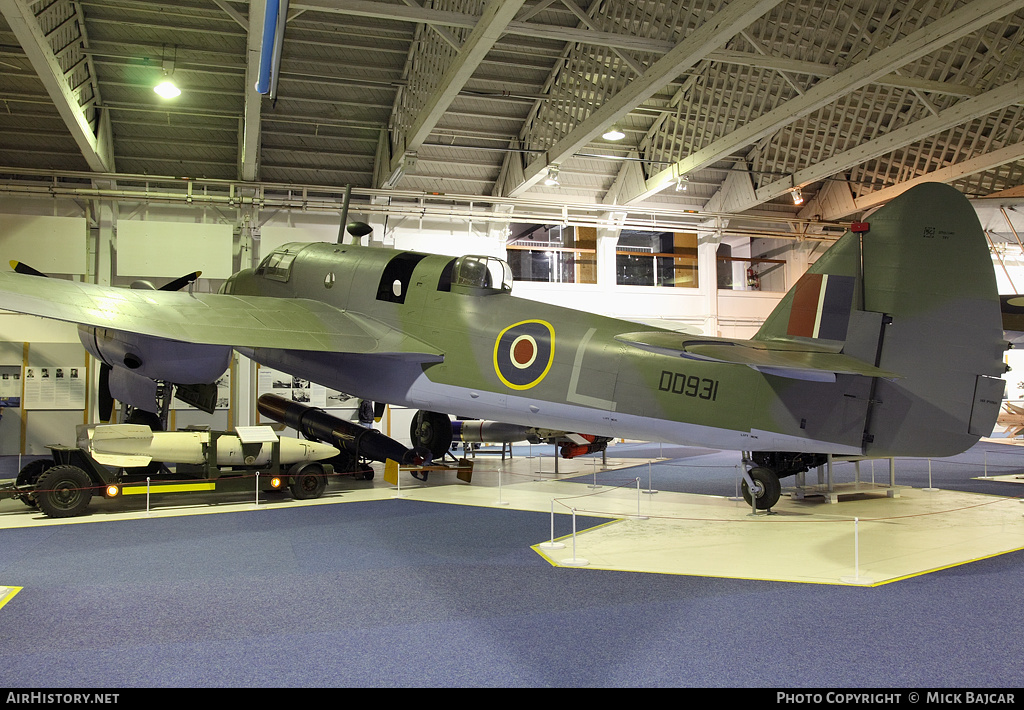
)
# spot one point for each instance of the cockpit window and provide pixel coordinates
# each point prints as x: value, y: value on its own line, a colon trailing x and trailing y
x: 277, y: 266
x: 482, y: 272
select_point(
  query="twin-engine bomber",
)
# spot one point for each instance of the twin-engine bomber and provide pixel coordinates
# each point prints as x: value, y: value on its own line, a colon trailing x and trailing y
x: 890, y: 345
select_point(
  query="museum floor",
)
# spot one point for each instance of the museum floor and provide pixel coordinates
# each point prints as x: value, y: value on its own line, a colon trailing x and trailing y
x: 675, y: 510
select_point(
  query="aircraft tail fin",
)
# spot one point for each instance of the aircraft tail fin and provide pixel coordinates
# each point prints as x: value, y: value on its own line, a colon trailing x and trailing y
x: 911, y: 292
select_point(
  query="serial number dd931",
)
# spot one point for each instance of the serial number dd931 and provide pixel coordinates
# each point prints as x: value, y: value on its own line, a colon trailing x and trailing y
x: 690, y: 386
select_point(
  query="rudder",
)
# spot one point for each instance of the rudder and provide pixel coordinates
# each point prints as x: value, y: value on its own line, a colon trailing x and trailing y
x: 915, y: 294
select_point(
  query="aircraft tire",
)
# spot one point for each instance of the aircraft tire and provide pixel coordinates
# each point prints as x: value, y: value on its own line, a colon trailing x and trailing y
x: 308, y: 483
x: 29, y: 475
x: 770, y: 488
x: 433, y: 431
x: 64, y: 491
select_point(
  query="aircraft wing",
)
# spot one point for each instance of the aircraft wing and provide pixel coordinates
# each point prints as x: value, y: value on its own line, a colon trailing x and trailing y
x: 206, y: 318
x: 774, y: 358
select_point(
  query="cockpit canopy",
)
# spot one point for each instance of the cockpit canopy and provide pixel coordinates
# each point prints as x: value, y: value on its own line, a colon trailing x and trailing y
x: 482, y: 272
x: 277, y: 265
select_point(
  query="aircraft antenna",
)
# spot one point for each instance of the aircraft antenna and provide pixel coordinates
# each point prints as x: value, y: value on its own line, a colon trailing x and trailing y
x: 344, y: 214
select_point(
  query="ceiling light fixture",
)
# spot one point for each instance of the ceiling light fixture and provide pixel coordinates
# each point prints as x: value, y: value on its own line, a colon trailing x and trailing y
x: 682, y: 183
x: 613, y: 134
x: 552, y: 178
x: 798, y: 197
x: 166, y: 88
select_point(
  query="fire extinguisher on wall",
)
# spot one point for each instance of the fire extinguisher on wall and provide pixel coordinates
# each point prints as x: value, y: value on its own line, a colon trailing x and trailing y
x: 753, y: 280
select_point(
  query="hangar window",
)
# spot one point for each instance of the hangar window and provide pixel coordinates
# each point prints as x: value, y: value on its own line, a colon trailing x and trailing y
x: 277, y: 266
x: 553, y: 253
x: 656, y: 259
x: 396, y: 277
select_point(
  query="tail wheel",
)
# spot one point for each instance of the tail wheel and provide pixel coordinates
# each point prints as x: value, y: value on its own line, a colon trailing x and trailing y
x: 64, y: 491
x: 767, y: 488
x: 308, y: 483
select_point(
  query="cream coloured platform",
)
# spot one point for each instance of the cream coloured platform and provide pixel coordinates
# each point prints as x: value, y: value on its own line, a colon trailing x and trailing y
x: 809, y: 541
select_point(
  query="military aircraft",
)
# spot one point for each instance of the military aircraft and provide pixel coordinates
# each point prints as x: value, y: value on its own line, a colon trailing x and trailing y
x: 890, y: 345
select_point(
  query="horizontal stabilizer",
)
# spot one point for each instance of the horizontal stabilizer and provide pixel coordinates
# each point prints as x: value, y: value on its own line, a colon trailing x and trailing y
x: 783, y: 359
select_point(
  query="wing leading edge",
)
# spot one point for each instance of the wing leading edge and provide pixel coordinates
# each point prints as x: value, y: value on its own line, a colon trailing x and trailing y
x: 208, y: 318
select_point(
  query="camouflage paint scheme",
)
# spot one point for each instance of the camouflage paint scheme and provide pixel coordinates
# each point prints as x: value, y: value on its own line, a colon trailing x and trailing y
x: 928, y: 272
x: 890, y: 345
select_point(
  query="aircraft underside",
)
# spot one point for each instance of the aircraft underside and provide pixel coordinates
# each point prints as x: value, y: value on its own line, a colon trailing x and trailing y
x: 403, y: 383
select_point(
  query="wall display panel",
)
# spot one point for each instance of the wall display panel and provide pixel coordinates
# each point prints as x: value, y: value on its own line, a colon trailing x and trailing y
x: 270, y: 381
x: 55, y: 387
x: 54, y: 245
x: 171, y: 249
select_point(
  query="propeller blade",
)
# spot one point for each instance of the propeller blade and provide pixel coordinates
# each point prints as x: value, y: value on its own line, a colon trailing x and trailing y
x: 23, y: 268
x: 181, y: 282
x: 106, y: 400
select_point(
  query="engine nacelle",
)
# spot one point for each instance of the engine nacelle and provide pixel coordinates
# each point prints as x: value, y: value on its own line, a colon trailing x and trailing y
x: 157, y: 358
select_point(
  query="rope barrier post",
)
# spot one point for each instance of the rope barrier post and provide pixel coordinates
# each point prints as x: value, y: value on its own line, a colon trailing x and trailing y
x: 929, y: 488
x: 739, y: 476
x: 649, y: 490
x: 638, y: 497
x: 551, y: 544
x: 575, y: 561
x: 257, y: 489
x: 500, y: 501
x: 856, y: 578
x: 147, y: 495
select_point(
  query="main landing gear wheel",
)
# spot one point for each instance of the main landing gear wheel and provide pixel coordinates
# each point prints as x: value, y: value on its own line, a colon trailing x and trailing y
x: 64, y: 491
x: 767, y: 488
x: 433, y: 431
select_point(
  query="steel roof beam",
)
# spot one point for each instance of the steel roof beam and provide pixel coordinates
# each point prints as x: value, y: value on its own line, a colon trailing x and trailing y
x: 249, y: 135
x: 487, y: 31
x: 715, y: 32
x: 935, y: 35
x: 95, y: 146
x: 950, y: 173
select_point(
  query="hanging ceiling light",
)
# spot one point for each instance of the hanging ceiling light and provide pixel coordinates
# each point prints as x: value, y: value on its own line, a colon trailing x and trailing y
x: 682, y: 183
x: 166, y: 88
x: 613, y: 134
x: 798, y: 197
x: 552, y: 177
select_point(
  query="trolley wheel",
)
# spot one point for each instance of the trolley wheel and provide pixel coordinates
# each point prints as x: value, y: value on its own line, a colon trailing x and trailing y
x: 309, y: 483
x: 64, y: 491
x: 768, y: 488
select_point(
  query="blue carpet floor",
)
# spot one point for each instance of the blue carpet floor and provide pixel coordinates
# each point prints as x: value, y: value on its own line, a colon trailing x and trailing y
x: 404, y: 593
x: 407, y: 593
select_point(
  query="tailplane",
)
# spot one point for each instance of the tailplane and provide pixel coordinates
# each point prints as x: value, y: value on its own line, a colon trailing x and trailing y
x: 911, y: 293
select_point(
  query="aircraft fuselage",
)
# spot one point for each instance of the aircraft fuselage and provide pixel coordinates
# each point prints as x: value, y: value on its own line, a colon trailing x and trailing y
x: 531, y: 363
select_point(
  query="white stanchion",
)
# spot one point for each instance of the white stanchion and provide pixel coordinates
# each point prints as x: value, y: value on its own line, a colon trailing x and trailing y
x: 929, y: 488
x: 147, y: 495
x: 575, y: 561
x: 856, y: 578
x: 551, y: 544
x: 639, y: 496
x: 500, y: 501
x: 649, y: 490
x: 739, y: 476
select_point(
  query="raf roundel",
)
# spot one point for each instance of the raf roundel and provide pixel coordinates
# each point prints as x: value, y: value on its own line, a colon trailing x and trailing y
x: 523, y: 353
